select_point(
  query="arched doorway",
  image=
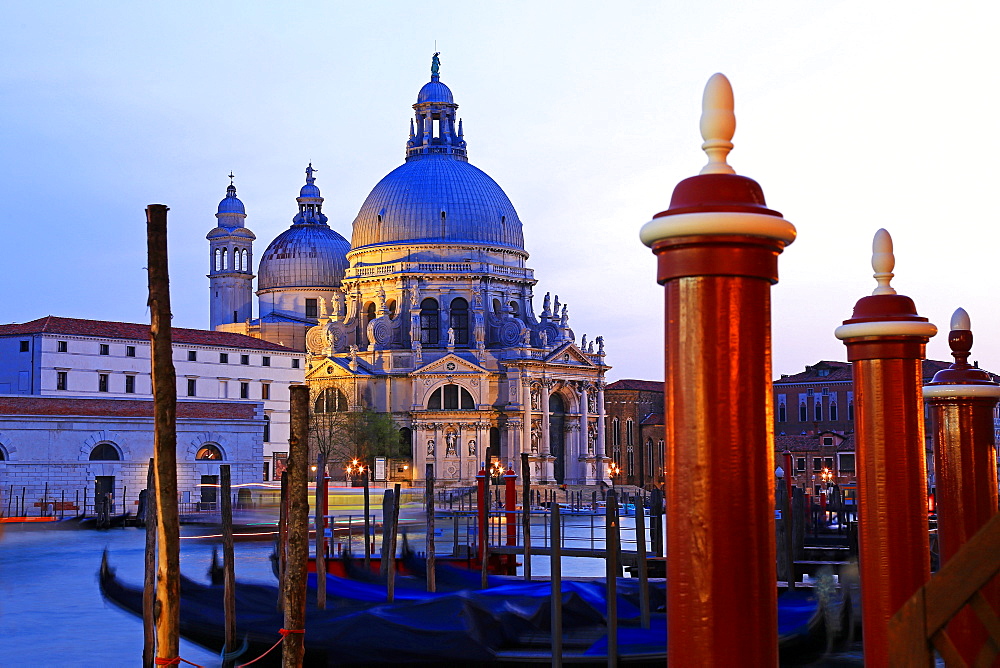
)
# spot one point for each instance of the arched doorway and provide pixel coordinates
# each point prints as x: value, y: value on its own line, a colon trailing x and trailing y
x: 557, y: 436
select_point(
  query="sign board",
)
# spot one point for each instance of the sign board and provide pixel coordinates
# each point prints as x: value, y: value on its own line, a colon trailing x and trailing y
x: 380, y: 468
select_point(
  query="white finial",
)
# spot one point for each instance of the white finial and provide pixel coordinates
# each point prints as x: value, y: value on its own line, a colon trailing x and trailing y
x: 882, y: 262
x: 718, y: 124
x: 960, y: 320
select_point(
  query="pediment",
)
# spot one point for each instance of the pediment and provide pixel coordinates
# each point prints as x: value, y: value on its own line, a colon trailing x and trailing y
x: 569, y: 354
x: 450, y: 365
x: 336, y: 367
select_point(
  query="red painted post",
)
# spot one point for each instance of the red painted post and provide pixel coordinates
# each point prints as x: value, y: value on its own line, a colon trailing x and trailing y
x: 885, y: 341
x: 481, y: 507
x: 510, y: 508
x: 717, y: 248
x: 788, y: 476
x: 962, y: 400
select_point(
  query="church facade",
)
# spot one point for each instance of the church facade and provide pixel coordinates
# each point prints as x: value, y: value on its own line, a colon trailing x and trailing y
x: 428, y: 315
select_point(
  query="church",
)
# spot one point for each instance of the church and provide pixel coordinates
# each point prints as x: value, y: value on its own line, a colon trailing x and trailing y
x: 426, y: 314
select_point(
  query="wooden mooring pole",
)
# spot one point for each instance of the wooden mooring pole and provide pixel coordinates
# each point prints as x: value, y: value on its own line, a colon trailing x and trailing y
x: 228, y: 561
x: 717, y: 276
x: 368, y: 529
x: 640, y: 549
x: 149, y: 577
x: 612, y: 539
x: 391, y: 574
x: 168, y: 583
x: 320, y: 522
x: 293, y: 647
x: 555, y: 574
x: 526, y: 513
x: 429, y: 497
x: 282, y: 539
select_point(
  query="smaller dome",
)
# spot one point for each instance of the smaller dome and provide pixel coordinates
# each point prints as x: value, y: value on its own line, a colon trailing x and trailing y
x: 309, y: 190
x: 435, y: 91
x: 231, y: 204
x: 303, y: 256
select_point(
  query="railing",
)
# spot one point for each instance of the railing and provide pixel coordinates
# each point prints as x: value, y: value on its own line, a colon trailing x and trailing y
x: 438, y: 267
x: 918, y: 628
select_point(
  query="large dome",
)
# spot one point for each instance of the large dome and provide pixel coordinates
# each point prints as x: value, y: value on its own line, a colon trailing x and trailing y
x: 304, y: 256
x: 436, y: 198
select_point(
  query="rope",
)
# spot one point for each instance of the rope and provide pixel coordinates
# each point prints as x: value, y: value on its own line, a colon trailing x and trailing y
x: 283, y: 632
x: 176, y: 661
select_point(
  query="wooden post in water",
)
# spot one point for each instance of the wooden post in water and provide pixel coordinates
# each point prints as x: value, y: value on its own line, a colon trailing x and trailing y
x: 431, y: 560
x: 168, y: 582
x: 482, y: 504
x: 387, y: 531
x: 640, y: 548
x: 368, y: 527
x: 886, y: 341
x: 149, y: 576
x: 717, y: 250
x: 526, y: 512
x: 228, y: 561
x: 555, y: 570
x: 282, y: 539
x: 321, y: 532
x: 612, y: 538
x: 293, y: 647
x: 391, y: 575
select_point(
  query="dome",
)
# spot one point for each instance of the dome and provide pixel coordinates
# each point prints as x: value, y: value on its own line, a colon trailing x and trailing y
x: 437, y: 198
x: 303, y: 256
x: 231, y: 203
x: 309, y: 190
x: 435, y: 91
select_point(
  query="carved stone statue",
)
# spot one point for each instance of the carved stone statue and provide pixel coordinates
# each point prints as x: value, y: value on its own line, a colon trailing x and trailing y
x: 430, y: 447
x: 592, y: 402
x: 449, y: 440
x: 418, y: 351
x: 565, y: 316
x: 477, y: 299
x: 435, y: 64
x: 336, y: 305
x: 472, y: 447
x: 591, y: 439
x: 555, y: 310
x: 536, y: 433
x: 525, y: 337
x: 534, y: 398
x: 600, y: 345
x: 590, y: 348
x: 354, y: 357
x: 583, y: 343
x: 544, y: 337
x: 380, y: 295
x: 545, y: 306
x: 451, y: 337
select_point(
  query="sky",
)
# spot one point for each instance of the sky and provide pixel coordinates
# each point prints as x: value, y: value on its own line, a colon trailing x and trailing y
x: 852, y: 116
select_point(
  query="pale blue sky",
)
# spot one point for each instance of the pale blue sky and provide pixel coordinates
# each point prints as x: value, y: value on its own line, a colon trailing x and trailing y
x: 851, y: 116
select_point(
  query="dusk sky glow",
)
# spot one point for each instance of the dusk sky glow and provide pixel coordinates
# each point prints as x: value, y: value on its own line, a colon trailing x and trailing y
x: 851, y: 116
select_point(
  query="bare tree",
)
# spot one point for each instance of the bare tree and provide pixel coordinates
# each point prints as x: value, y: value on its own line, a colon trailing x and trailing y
x: 347, y: 437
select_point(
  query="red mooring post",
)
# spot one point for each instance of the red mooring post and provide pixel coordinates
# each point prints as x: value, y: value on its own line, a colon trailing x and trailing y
x: 885, y: 341
x: 481, y: 508
x: 717, y: 248
x: 510, y: 508
x: 962, y: 400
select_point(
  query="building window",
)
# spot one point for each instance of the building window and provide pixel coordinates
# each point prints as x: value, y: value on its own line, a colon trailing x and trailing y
x: 192, y: 356
x: 429, y: 323
x: 267, y: 469
x: 265, y: 361
x: 192, y: 387
x: 828, y: 463
x: 105, y: 349
x: 225, y: 259
x: 295, y: 362
x: 218, y: 259
x: 628, y: 432
x: 331, y: 400
x: 267, y: 429
x: 245, y: 360
x: 223, y: 358
x: 62, y: 346
x: 245, y: 264
x: 459, y: 320
x: 265, y: 390
x: 828, y: 440
x: 616, y: 436
x: 833, y: 412
x: 451, y: 397
x: 818, y: 412
x: 104, y: 452
x: 782, y: 413
x: 208, y: 451
x: 129, y: 351
x: 629, y: 461
x: 817, y: 464
x: 129, y: 384
x: 102, y: 382
x: 803, y: 413
x: 800, y: 463
x: 60, y: 380
x: 244, y: 390
x: 24, y: 346
x: 846, y: 462
x: 850, y: 411
x: 312, y: 308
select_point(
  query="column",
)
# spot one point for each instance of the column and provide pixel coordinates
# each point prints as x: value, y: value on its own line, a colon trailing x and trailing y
x: 717, y: 248
x: 962, y: 400
x: 885, y: 340
x: 599, y: 446
x: 525, y: 414
x: 583, y: 479
x: 543, y: 449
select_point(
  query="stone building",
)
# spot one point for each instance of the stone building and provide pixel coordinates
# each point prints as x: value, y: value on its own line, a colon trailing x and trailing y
x: 635, y: 430
x: 434, y: 322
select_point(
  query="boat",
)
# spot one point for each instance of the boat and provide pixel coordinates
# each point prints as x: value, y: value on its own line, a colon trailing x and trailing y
x: 505, y: 625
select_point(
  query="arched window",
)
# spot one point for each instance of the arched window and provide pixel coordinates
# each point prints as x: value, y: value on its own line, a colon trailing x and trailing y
x: 460, y: 320
x: 803, y: 412
x: 629, y: 432
x: 208, y: 451
x: 225, y: 259
x: 429, y: 322
x: 104, y: 452
x: 451, y: 398
x: 833, y: 412
x: 3, y: 455
x: 391, y: 307
x: 782, y: 413
x: 244, y: 260
x: 218, y: 259
x: 497, y: 310
x: 515, y: 308
x: 406, y: 441
x: 331, y: 400
x: 369, y: 313
x: 616, y: 435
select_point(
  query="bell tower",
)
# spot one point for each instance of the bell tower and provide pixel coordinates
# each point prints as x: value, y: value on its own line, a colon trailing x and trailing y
x: 230, y: 276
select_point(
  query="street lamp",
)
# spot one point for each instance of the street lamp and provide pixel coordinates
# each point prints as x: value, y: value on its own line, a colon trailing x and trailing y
x: 613, y: 470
